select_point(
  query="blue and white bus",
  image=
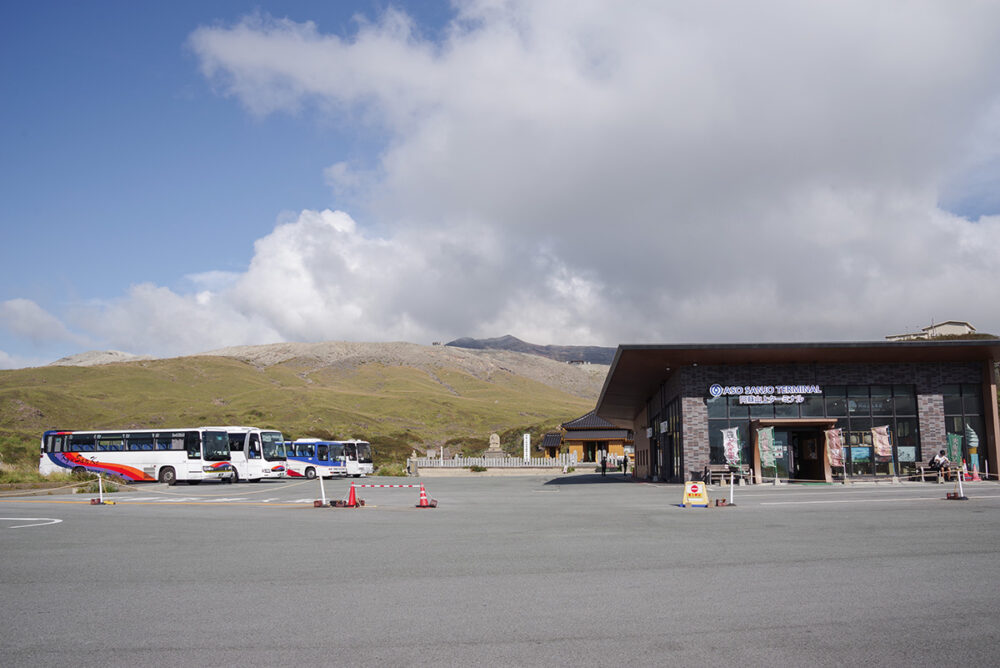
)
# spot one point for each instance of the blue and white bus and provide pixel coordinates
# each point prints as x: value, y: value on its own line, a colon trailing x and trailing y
x: 311, y: 457
x: 255, y: 454
x: 165, y: 455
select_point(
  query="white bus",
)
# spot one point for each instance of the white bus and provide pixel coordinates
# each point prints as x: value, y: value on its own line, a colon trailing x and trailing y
x: 167, y: 455
x: 255, y: 453
x: 359, y: 458
x: 311, y: 457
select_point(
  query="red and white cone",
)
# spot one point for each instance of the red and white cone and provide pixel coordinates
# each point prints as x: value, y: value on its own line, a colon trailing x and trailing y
x: 424, y: 502
x: 352, y: 498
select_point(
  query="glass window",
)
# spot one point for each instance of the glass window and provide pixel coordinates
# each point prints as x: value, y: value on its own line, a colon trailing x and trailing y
x: 812, y: 406
x: 716, y: 407
x: 323, y: 452
x: 836, y: 402
x: 972, y: 399
x: 736, y: 410
x: 857, y: 400
x: 904, y: 399
x: 762, y: 411
x: 81, y: 442
x: 881, y: 399
x: 786, y: 410
x: 952, y: 399
x: 715, y: 453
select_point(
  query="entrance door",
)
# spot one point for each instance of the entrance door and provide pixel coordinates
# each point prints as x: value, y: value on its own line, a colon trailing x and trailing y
x: 807, y: 456
x: 782, y: 452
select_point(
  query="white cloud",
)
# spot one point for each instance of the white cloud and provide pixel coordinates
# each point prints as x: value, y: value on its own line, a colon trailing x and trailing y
x: 25, y: 319
x: 706, y: 170
x: 581, y: 172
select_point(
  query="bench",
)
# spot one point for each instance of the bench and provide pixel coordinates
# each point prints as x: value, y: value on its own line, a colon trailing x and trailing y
x: 719, y: 473
x: 927, y: 470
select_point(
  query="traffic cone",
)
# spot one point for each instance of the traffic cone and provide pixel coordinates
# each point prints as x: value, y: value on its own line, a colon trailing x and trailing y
x: 352, y: 499
x: 424, y: 503
x: 975, y: 473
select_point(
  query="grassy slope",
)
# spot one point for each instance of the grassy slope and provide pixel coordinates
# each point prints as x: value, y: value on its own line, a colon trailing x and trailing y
x: 396, y: 407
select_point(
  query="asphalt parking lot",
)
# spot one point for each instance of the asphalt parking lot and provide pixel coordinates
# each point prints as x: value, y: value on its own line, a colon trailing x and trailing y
x: 575, y: 570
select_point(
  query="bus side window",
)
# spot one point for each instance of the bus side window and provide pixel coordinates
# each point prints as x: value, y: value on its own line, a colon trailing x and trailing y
x: 254, y: 452
x: 81, y: 443
x: 323, y: 452
x: 192, y: 443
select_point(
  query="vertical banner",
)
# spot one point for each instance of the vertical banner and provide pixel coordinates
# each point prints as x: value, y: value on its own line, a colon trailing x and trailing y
x: 765, y: 443
x: 835, y: 446
x: 731, y: 446
x: 882, y: 443
x: 527, y: 447
x: 955, y: 448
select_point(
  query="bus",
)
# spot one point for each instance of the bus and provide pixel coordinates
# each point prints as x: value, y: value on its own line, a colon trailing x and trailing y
x: 165, y: 455
x: 255, y: 454
x: 359, y: 458
x: 311, y: 457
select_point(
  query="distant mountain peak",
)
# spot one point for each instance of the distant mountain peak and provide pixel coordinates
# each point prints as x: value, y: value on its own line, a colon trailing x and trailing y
x: 588, y: 354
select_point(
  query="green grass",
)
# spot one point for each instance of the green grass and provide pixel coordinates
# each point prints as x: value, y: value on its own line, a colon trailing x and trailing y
x: 396, y: 408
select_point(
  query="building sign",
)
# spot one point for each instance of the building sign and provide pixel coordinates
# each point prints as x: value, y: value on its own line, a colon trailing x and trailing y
x: 765, y: 394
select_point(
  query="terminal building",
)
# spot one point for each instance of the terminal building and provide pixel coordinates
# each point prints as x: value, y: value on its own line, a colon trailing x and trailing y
x: 678, y: 399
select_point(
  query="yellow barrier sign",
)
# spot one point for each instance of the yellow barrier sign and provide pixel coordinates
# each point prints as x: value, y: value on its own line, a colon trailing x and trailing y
x: 695, y: 494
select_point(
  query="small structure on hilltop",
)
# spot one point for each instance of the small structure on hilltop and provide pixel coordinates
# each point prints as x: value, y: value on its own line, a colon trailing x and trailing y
x: 946, y: 328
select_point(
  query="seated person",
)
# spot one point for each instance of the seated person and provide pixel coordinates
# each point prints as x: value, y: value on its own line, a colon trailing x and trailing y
x: 940, y: 463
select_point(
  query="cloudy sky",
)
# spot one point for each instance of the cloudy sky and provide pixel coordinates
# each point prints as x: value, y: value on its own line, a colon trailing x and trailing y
x: 178, y: 177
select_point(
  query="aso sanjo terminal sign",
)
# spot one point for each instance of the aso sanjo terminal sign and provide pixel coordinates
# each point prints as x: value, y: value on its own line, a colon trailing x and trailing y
x: 892, y: 405
x: 765, y: 394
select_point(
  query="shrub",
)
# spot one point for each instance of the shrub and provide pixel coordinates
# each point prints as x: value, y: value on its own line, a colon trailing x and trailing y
x: 391, y: 469
x: 476, y: 468
x: 93, y: 488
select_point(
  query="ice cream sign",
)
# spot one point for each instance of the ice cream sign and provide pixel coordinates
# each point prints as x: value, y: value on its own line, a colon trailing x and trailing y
x: 765, y: 394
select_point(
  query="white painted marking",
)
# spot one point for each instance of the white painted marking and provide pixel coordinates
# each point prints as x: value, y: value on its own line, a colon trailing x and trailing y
x: 911, y: 498
x: 35, y: 521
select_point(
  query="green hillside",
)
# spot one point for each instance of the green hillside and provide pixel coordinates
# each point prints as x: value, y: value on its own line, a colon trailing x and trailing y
x: 397, y: 407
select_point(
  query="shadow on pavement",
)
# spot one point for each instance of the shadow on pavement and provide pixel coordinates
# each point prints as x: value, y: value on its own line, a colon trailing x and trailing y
x: 590, y: 479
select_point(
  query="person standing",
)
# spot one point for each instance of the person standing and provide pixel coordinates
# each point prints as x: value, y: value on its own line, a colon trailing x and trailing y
x: 625, y: 465
x: 604, y: 463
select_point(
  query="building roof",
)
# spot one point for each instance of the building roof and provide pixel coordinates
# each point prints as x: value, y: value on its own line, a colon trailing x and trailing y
x: 553, y: 439
x: 947, y: 322
x: 638, y: 369
x: 588, y: 421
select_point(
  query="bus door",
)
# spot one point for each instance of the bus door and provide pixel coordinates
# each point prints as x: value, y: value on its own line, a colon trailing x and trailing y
x: 323, y: 460
x: 255, y: 461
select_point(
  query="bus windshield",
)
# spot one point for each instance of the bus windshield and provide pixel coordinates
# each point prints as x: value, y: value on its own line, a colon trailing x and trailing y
x: 273, y: 446
x: 215, y: 445
x: 364, y: 453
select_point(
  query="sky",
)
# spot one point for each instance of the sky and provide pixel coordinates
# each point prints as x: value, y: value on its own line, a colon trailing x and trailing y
x: 181, y: 177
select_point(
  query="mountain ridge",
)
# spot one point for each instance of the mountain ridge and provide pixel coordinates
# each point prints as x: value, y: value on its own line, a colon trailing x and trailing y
x: 589, y: 354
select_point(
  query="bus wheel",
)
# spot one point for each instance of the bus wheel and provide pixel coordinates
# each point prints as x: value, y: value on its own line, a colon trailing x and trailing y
x: 79, y: 471
x: 235, y: 477
x: 310, y: 473
x: 168, y: 475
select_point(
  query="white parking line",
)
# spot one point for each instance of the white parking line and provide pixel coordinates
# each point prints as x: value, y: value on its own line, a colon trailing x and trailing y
x: 35, y: 521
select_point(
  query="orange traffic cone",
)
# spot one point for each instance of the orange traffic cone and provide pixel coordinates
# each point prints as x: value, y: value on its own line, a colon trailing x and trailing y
x: 424, y: 503
x: 975, y: 473
x: 352, y: 499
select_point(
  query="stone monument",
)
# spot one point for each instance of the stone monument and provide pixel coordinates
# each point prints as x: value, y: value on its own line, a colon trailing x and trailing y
x: 495, y: 451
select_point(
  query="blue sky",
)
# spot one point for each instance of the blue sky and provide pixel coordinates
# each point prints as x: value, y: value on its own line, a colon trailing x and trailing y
x: 178, y: 177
